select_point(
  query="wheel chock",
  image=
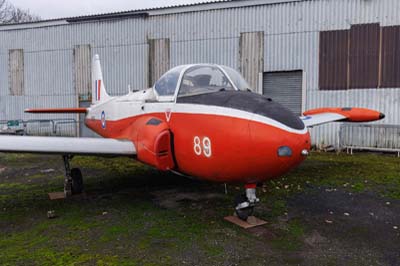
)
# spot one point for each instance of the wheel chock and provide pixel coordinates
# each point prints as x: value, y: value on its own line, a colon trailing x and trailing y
x: 250, y: 223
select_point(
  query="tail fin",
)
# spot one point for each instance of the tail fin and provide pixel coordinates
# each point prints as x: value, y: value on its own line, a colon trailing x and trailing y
x: 99, y: 93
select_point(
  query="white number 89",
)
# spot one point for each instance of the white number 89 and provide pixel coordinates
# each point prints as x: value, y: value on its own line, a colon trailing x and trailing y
x: 202, y: 147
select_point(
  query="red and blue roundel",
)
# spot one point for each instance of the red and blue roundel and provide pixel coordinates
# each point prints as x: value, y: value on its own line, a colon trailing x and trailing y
x: 103, y: 120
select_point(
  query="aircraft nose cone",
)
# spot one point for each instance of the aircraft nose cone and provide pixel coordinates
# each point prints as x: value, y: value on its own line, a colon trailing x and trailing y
x: 381, y: 116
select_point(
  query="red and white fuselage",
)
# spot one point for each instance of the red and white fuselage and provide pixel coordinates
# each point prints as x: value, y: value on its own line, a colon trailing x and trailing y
x: 197, y: 120
x: 207, y: 141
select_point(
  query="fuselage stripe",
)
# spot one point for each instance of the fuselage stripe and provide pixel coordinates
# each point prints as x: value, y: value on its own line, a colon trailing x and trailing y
x: 190, y: 109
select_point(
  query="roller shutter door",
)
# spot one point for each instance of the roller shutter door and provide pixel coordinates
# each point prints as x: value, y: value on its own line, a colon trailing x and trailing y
x: 285, y: 88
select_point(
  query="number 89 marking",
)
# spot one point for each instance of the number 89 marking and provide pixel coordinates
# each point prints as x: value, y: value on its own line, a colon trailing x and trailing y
x: 202, y: 147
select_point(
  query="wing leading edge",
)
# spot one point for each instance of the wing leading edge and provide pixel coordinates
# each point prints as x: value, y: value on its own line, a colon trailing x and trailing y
x: 67, y: 146
x: 325, y: 115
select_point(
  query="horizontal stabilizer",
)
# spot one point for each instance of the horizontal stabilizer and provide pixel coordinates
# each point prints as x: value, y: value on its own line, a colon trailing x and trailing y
x: 57, y: 111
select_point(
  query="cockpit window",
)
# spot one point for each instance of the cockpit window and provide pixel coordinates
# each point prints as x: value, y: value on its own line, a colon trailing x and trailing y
x: 166, y: 85
x: 204, y: 79
x: 237, y: 79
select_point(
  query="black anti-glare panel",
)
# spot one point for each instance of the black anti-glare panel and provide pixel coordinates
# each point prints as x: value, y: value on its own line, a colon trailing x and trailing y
x: 249, y: 102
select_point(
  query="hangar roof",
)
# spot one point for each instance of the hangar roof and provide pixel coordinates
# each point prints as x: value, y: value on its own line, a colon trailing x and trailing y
x: 143, y: 13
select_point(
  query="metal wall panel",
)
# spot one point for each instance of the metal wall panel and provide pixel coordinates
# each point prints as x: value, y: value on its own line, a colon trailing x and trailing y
x: 252, y: 58
x: 83, y: 71
x: 49, y: 73
x: 291, y: 41
x: 124, y: 66
x: 16, y: 68
x: 214, y: 51
x: 285, y: 88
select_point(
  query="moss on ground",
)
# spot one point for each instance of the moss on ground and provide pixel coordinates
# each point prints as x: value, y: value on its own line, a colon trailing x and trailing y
x: 121, y: 223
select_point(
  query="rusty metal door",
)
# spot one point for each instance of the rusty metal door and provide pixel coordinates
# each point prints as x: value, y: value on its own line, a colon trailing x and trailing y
x: 159, y: 59
x: 252, y: 58
x: 16, y: 68
x: 82, y: 71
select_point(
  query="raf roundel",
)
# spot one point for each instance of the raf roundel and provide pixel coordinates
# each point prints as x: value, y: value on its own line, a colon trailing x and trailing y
x: 103, y: 120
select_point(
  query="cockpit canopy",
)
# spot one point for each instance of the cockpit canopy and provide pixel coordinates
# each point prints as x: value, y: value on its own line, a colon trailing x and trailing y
x: 183, y: 81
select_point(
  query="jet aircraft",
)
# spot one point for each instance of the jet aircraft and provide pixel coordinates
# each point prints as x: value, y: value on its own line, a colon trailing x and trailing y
x: 201, y: 121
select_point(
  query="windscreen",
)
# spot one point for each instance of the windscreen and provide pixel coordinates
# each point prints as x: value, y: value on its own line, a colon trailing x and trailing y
x: 237, y: 79
x: 204, y: 79
x: 166, y: 85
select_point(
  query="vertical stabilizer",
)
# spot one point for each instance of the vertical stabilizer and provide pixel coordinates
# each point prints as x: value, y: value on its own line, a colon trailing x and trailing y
x: 99, y: 93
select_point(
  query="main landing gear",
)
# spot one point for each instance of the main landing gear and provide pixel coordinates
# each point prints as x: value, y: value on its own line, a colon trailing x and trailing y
x: 73, y: 183
x: 245, y: 203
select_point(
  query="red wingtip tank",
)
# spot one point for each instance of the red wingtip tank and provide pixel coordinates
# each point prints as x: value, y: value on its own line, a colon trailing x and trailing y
x: 352, y: 114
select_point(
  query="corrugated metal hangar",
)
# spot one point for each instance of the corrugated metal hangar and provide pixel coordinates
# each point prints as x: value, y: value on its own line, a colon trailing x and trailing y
x: 302, y: 53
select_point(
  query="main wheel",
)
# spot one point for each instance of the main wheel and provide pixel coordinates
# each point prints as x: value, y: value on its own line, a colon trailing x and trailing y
x: 77, y: 181
x: 243, y: 213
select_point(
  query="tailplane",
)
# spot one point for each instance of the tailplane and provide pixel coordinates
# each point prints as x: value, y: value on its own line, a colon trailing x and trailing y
x: 99, y: 93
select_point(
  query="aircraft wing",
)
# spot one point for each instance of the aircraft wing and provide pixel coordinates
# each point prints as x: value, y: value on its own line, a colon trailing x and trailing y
x: 319, y: 119
x: 321, y: 116
x: 67, y: 146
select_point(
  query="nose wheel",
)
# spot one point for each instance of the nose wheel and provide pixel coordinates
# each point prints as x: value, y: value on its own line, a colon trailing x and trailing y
x: 244, y: 204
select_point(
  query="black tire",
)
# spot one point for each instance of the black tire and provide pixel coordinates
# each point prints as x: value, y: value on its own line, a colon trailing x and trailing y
x: 243, y: 214
x: 240, y: 199
x: 77, y: 181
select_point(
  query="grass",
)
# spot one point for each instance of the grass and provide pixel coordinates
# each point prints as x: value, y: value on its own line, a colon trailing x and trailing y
x: 357, y: 173
x: 290, y: 238
x: 121, y: 223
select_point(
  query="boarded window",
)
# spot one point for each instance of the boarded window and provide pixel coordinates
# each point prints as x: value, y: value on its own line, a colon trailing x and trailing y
x: 364, y: 56
x: 82, y: 71
x: 390, y: 75
x: 159, y: 59
x: 334, y: 60
x: 16, y: 71
x: 252, y: 58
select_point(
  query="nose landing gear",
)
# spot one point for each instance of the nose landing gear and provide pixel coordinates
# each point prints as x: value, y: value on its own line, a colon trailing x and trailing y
x: 245, y: 203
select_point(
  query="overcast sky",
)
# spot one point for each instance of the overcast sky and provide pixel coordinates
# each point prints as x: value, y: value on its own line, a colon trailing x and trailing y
x: 67, y: 8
